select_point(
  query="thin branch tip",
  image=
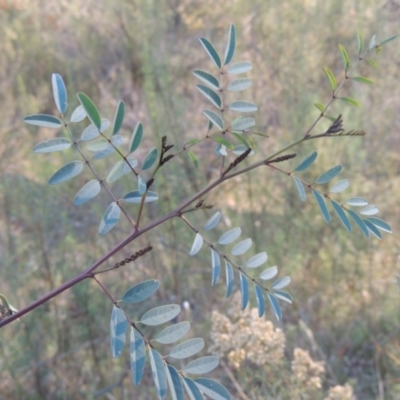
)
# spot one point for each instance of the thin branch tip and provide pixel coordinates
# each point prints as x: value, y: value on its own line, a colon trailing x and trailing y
x: 281, y: 159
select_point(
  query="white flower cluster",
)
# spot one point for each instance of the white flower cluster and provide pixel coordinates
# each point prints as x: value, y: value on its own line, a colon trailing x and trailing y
x: 341, y: 393
x: 306, y: 371
x: 249, y: 337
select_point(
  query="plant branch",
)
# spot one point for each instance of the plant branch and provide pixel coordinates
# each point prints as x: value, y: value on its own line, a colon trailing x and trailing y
x: 221, y: 90
x: 335, y: 92
x: 101, y: 181
x: 116, y: 304
x: 119, y: 152
x: 105, y: 290
x: 138, y: 232
x: 234, y: 381
x: 224, y: 256
x: 130, y: 259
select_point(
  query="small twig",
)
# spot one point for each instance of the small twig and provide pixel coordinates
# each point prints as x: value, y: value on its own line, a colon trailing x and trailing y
x: 164, y: 149
x: 224, y: 256
x: 87, y: 162
x: 281, y: 159
x: 381, y: 386
x: 127, y: 260
x: 337, y: 126
x: 105, y: 290
x: 119, y: 152
x: 201, y: 205
x: 116, y: 304
x: 149, y: 183
x: 238, y: 160
x: 317, y: 349
x: 234, y: 381
x: 307, y: 135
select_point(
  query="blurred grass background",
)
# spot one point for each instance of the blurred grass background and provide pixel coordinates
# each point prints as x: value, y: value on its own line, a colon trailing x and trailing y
x: 143, y: 52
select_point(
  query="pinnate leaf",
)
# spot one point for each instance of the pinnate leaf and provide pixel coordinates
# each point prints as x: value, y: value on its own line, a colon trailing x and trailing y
x: 389, y: 39
x: 136, y: 197
x: 212, y: 222
x: 229, y: 278
x: 300, y: 188
x: 331, y: 78
x: 160, y: 315
x: 350, y: 100
x: 89, y: 191
x: 230, y: 236
x: 282, y: 295
x: 363, y: 80
x: 372, y: 209
x: 230, y: 47
x: 66, y: 172
x: 137, y: 356
x: 159, y: 375
x: 110, y: 218
x: 243, y: 106
x: 322, y: 206
x: 118, y: 117
x: 281, y: 283
x: 90, y: 109
x: 187, y: 348
x: 192, y: 390
x: 260, y: 300
x: 329, y: 175
x: 141, y: 291
x: 194, y: 159
x: 345, y: 57
x: 79, y: 114
x: 257, y: 260
x: 340, y: 186
x: 215, y: 267
x: 59, y: 93
x: 223, y: 142
x: 269, y: 273
x: 357, y: 201
x: 136, y: 137
x: 197, y: 244
x: 210, y: 95
x: 207, y: 78
x: 372, y: 228
x: 150, y: 159
x: 121, y: 168
x: 47, y: 121
x: 52, y: 145
x: 209, y: 48
x: 360, y: 42
x: 241, y: 124
x: 381, y: 224
x: 306, y: 162
x: 242, y: 247
x: 359, y: 221
x: 215, y: 119
x: 202, y: 365
x: 244, y: 290
x: 142, y: 185
x: 275, y: 306
x: 239, y: 67
x: 341, y: 214
x: 239, y: 84
x: 118, y: 325
x: 212, y: 389
x: 175, y: 383
x: 173, y: 333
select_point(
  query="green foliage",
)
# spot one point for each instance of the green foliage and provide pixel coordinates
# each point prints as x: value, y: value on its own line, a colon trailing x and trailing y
x: 238, y: 130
